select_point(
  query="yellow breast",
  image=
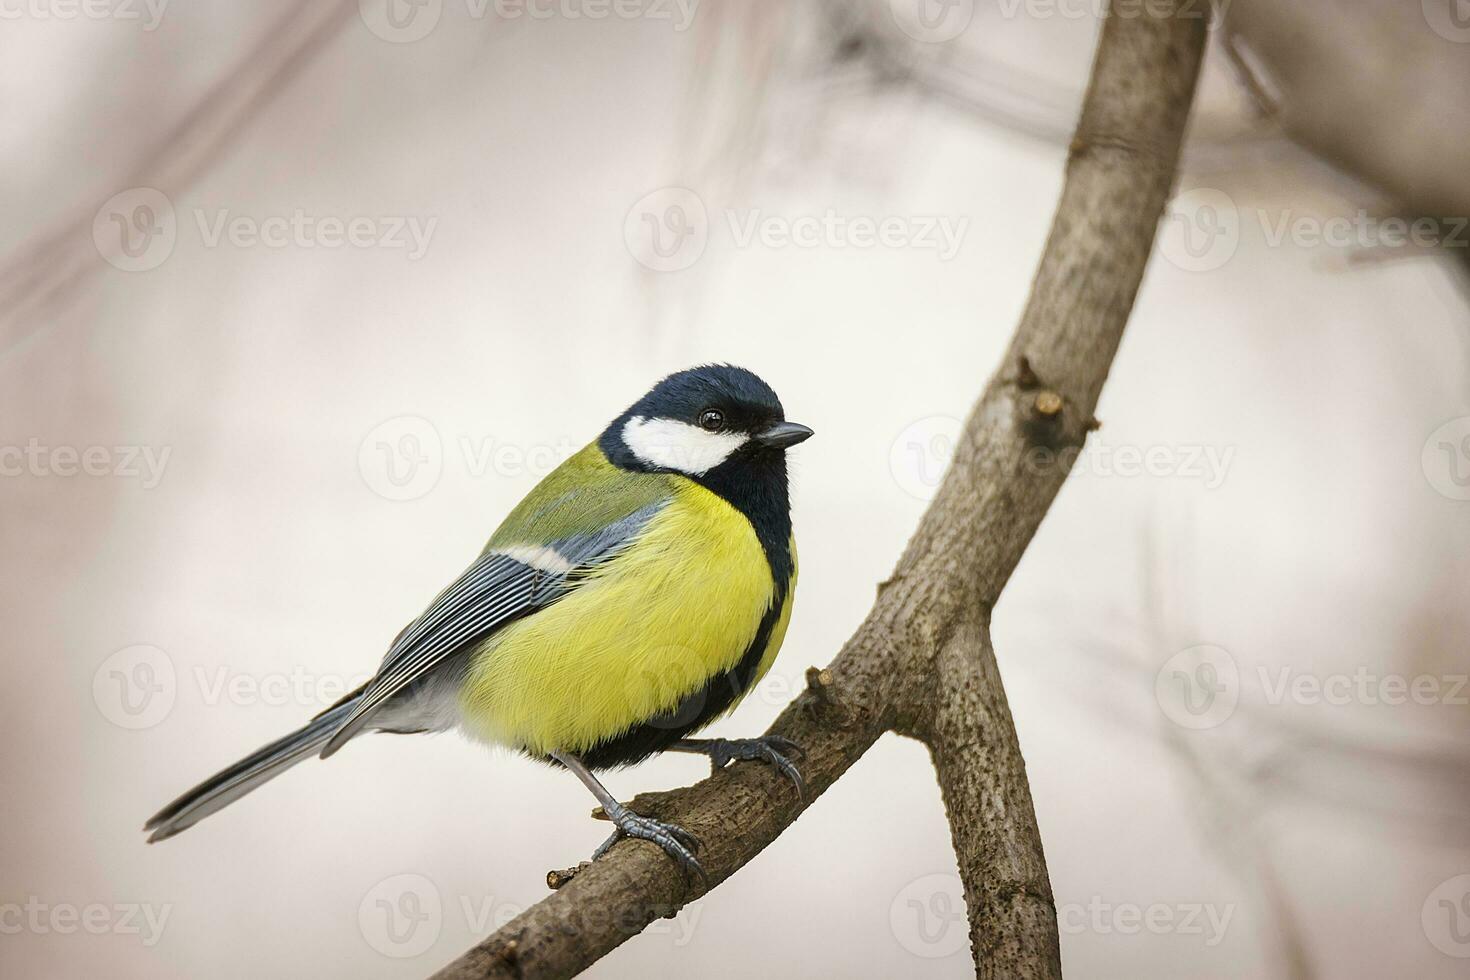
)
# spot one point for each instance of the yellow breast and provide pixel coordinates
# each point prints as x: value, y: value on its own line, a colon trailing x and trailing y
x: 680, y: 606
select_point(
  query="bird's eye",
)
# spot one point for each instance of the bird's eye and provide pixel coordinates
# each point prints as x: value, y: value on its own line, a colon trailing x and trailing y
x: 712, y: 420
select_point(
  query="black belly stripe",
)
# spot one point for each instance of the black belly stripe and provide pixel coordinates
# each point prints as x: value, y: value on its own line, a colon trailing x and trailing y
x: 695, y: 711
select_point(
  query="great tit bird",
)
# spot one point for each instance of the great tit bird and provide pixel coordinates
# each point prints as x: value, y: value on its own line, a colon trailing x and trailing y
x: 633, y: 597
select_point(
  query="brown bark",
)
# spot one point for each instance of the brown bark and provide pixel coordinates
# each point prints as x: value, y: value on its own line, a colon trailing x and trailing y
x: 922, y: 663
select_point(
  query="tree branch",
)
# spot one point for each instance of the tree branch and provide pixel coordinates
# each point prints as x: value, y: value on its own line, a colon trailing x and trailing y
x: 1019, y: 444
x: 922, y: 664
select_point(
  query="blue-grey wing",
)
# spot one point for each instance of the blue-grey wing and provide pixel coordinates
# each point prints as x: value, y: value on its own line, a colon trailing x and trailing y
x: 500, y: 586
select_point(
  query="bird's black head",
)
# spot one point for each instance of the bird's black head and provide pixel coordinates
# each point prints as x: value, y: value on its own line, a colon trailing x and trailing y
x: 711, y: 423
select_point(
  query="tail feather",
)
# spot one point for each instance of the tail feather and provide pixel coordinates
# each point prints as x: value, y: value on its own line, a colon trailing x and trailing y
x: 261, y: 766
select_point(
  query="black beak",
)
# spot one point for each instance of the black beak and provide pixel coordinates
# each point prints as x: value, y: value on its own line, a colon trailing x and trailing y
x: 783, y: 434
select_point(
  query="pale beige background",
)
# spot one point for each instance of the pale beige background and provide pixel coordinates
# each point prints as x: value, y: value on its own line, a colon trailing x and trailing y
x: 1315, y: 833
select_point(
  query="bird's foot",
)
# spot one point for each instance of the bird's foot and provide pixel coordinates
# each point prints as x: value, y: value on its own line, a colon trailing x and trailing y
x: 772, y: 749
x: 677, y: 842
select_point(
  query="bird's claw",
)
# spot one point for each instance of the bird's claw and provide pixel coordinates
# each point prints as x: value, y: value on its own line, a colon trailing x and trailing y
x: 676, y: 842
x: 772, y: 749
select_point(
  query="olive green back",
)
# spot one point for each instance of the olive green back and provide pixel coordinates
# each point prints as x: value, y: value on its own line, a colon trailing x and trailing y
x: 582, y: 496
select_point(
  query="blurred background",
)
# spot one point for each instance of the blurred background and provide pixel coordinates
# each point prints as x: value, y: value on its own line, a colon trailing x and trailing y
x: 298, y: 298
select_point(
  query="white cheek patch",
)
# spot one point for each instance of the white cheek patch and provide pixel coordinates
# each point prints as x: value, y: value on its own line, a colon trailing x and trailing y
x: 675, y: 445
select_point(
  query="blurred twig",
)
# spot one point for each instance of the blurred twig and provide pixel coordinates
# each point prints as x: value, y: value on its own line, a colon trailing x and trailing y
x: 1230, y: 816
x: 55, y: 264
